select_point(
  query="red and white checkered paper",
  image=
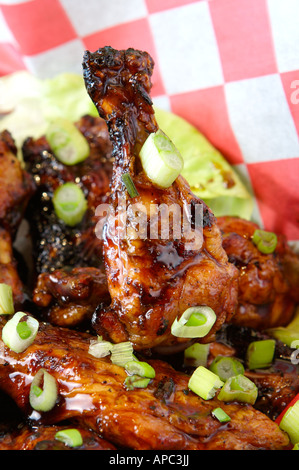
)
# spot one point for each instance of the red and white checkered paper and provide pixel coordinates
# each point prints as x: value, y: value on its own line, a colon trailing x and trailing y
x: 230, y: 67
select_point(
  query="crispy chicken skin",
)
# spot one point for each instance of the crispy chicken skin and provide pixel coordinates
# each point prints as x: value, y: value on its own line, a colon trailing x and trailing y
x: 91, y: 393
x: 151, y: 281
x: 16, y: 185
x: 9, y: 270
x: 268, y: 283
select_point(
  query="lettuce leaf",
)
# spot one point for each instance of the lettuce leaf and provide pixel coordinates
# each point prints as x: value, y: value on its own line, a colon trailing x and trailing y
x: 209, y: 174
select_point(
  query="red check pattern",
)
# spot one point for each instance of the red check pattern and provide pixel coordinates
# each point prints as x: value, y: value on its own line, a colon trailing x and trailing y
x: 230, y: 67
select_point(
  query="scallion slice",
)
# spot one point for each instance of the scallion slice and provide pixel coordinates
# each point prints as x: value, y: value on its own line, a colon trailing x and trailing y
x: 69, y: 203
x: 100, y: 348
x: 226, y: 367
x: 135, y: 381
x: 290, y: 422
x: 122, y: 353
x: 296, y: 446
x: 220, y: 414
x: 239, y: 388
x: 161, y: 160
x: 129, y: 183
x: 6, y: 300
x: 196, y: 322
x: 196, y: 355
x: 260, y: 354
x: 204, y: 383
x: 266, y: 242
x: 17, y: 337
x: 143, y: 369
x: 43, y: 391
x: 70, y: 437
x: 67, y: 142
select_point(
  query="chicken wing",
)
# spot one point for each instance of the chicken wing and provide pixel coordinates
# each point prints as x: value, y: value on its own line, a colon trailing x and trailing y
x: 16, y: 184
x: 268, y: 283
x: 151, y: 281
x: 43, y: 438
x: 70, y: 276
x: 91, y: 393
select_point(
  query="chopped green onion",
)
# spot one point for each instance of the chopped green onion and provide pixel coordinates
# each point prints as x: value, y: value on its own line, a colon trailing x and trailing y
x: 69, y: 203
x: 70, y: 437
x: 135, y: 381
x: 99, y: 348
x: 296, y: 446
x: 67, y: 142
x: 161, y: 160
x: 260, y: 353
x: 6, y: 300
x: 43, y: 391
x: 10, y: 332
x: 239, y: 388
x: 202, y: 319
x: 129, y: 183
x: 122, y: 353
x: 287, y: 334
x: 204, y: 383
x: 143, y: 369
x: 226, y: 367
x: 266, y: 242
x: 290, y: 423
x: 196, y: 355
x: 220, y: 414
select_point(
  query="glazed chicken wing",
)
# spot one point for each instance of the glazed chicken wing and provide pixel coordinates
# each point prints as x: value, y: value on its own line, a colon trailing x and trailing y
x: 16, y: 185
x: 151, y: 281
x: 268, y: 283
x: 92, y: 394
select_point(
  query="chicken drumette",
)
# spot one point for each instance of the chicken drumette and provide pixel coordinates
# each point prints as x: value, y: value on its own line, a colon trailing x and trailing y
x: 151, y: 281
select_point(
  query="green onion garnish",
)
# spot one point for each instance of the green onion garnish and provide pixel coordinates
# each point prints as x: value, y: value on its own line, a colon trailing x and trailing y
x: 69, y: 203
x: 122, y: 353
x: 161, y: 160
x: 290, y: 422
x: 239, y: 388
x: 296, y: 446
x: 11, y: 332
x: 67, y: 142
x: 129, y: 183
x: 204, y: 383
x: 43, y: 391
x: 70, y: 437
x: 135, y: 381
x: 260, y: 354
x: 265, y: 241
x: 196, y: 355
x: 100, y: 348
x: 226, y: 367
x: 196, y: 322
x: 287, y: 334
x: 6, y: 300
x: 220, y: 414
x: 143, y: 369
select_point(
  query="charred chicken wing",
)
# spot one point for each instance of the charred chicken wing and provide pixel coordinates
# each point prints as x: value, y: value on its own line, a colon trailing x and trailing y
x: 151, y: 281
x: 92, y: 393
x: 268, y: 283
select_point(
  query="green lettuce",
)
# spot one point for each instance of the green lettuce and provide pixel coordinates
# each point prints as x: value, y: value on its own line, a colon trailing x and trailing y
x: 209, y: 174
x: 29, y: 104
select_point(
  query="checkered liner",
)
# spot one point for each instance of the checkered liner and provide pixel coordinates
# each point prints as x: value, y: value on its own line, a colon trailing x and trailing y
x: 230, y: 67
